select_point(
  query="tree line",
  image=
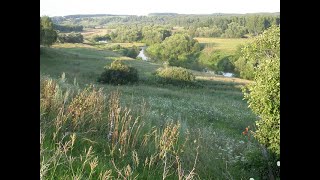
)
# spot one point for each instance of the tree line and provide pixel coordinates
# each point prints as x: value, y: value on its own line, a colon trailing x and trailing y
x: 195, y: 24
x: 47, y: 33
x: 50, y: 33
x: 68, y: 28
x: 176, y: 46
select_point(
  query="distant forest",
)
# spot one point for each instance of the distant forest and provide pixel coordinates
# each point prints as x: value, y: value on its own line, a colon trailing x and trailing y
x: 250, y: 23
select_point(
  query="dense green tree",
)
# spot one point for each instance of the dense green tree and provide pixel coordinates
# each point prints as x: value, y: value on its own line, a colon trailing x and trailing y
x: 41, y: 31
x: 155, y: 34
x: 216, y: 60
x: 263, y: 94
x: 126, y: 34
x: 98, y: 38
x: 70, y: 38
x: 175, y: 76
x: 257, y: 24
x: 68, y: 28
x: 177, y: 50
x: 131, y: 27
x: 46, y: 22
x: 208, y: 32
x: 225, y: 65
x: 234, y: 30
x: 266, y: 45
x: 119, y: 73
x: 130, y: 52
x: 48, y: 35
x: 222, y: 23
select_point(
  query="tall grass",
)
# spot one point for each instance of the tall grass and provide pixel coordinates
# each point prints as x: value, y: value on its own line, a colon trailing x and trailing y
x: 85, y: 136
x: 210, y: 120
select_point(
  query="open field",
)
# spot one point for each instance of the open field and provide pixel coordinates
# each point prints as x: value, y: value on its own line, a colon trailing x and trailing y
x: 211, y: 117
x: 125, y: 45
x: 87, y: 33
x: 224, y: 44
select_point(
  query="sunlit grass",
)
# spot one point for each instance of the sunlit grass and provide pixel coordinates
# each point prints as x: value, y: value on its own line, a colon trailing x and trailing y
x: 125, y: 44
x: 89, y: 32
x: 211, y: 116
x: 224, y: 44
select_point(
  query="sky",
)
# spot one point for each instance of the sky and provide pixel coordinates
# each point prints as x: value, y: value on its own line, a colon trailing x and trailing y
x: 143, y: 7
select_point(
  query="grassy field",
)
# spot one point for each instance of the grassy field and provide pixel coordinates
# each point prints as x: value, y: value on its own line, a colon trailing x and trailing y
x: 125, y: 45
x: 88, y: 33
x: 224, y: 44
x: 201, y: 124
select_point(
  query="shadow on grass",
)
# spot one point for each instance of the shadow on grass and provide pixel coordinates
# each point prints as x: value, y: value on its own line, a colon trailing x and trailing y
x: 219, y: 85
x: 198, y: 84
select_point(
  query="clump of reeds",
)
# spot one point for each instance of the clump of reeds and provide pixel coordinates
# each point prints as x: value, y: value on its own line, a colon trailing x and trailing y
x: 72, y: 117
x: 168, y: 139
x: 49, y: 95
x: 123, y: 130
x: 87, y: 107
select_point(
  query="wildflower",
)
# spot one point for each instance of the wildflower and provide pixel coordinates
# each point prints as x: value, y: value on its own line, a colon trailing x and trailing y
x: 251, y: 179
x: 278, y: 163
x: 245, y: 132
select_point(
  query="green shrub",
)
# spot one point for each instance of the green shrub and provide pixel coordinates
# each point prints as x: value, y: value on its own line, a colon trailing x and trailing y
x: 119, y: 73
x: 174, y: 75
x: 264, y: 46
x: 70, y: 38
x: 264, y: 94
x: 98, y: 38
x: 264, y: 99
x: 177, y: 50
x: 139, y: 58
x: 259, y: 167
x: 130, y: 52
x: 217, y: 61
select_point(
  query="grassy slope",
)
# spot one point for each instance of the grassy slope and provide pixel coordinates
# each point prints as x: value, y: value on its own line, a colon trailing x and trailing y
x: 215, y: 115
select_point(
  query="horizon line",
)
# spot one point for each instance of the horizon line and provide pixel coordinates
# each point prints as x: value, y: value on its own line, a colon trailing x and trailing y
x: 157, y: 13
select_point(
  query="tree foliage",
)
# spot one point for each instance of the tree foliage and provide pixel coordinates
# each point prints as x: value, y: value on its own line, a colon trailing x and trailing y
x: 70, y: 38
x: 98, y: 38
x: 206, y: 32
x: 176, y: 50
x: 119, y: 73
x: 48, y: 35
x: 130, y: 52
x: 266, y: 45
x: 174, y: 75
x: 195, y: 25
x: 41, y: 31
x: 217, y: 61
x: 155, y: 34
x: 234, y: 31
x: 263, y: 94
x: 68, y: 28
x: 126, y: 34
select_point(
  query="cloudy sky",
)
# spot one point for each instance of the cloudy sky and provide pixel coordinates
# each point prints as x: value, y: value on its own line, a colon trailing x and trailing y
x: 143, y: 7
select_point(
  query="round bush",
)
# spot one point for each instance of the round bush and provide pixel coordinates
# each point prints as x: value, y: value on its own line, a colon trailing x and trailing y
x: 118, y: 73
x: 174, y: 75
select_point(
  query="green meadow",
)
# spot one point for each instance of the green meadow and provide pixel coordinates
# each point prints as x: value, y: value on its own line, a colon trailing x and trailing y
x: 228, y: 45
x: 162, y: 131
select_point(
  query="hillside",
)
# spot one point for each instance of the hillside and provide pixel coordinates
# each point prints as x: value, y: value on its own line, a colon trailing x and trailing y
x: 211, y: 116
